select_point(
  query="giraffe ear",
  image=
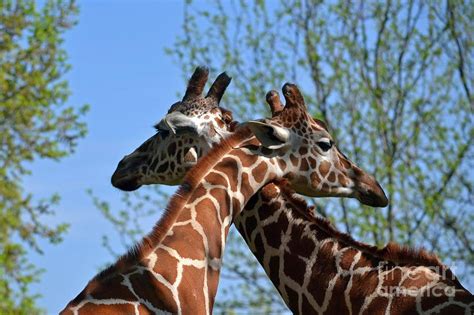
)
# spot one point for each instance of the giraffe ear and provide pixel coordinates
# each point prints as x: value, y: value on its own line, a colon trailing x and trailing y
x: 270, y: 136
x: 176, y: 121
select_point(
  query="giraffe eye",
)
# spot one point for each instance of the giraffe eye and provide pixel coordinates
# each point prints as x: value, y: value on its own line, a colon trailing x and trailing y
x: 325, y: 144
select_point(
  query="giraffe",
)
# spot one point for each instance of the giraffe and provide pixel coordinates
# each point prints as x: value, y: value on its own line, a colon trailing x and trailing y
x: 319, y: 270
x: 304, y: 256
x: 176, y: 267
x: 260, y: 215
x: 189, y: 130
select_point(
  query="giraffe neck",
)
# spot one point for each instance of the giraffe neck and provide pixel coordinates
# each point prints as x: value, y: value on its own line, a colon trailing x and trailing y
x: 176, y: 267
x: 317, y: 269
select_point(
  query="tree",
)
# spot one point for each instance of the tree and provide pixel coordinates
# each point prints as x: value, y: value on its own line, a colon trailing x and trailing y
x: 394, y: 82
x: 35, y: 124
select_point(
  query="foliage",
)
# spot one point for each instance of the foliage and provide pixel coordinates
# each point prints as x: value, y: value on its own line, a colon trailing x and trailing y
x: 34, y: 123
x: 394, y: 82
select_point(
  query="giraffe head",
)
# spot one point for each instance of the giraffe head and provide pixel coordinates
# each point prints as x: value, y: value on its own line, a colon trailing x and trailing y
x: 189, y: 129
x: 308, y: 155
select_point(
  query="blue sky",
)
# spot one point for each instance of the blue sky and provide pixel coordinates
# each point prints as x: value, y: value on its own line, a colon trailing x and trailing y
x: 120, y: 69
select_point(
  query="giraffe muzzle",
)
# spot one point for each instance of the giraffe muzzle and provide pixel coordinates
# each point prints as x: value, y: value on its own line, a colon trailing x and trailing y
x: 124, y: 183
x: 370, y: 193
x: 125, y: 176
x: 127, y: 185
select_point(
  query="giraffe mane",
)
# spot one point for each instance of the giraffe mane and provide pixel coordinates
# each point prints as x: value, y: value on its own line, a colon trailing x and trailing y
x: 175, y: 206
x: 392, y: 252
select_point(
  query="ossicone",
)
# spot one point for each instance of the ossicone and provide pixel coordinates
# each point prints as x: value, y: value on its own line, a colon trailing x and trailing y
x: 219, y: 86
x: 196, y: 83
x: 293, y: 96
x: 273, y: 100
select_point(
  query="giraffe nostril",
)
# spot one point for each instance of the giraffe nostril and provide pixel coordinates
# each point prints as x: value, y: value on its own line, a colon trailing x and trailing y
x: 122, y: 164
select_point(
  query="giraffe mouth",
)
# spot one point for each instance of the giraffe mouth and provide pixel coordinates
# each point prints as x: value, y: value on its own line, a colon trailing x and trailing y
x: 370, y: 200
x: 125, y: 182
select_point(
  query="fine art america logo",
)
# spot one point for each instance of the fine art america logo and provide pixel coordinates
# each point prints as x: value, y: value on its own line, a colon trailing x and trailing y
x: 415, y: 281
